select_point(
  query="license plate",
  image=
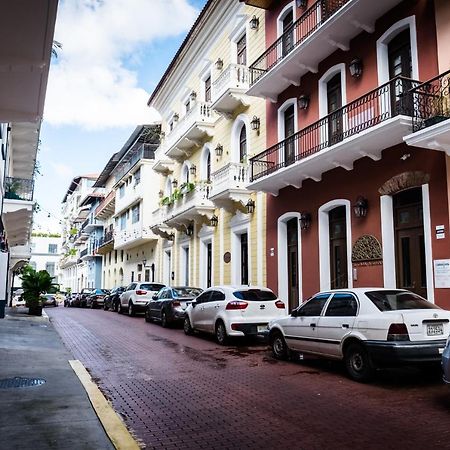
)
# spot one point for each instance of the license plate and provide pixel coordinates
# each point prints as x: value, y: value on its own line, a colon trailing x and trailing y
x: 435, y: 329
x: 261, y: 328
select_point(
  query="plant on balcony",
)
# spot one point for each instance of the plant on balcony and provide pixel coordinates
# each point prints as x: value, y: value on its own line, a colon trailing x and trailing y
x: 166, y: 201
x: 187, y: 187
x: 73, y: 231
x: 34, y: 284
x: 12, y: 187
x: 176, y: 195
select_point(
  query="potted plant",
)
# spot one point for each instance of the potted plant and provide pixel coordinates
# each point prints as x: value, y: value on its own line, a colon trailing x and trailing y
x: 34, y: 284
x: 12, y: 187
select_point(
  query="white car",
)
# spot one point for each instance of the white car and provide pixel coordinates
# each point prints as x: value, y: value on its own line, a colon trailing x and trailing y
x: 136, y: 296
x: 233, y: 311
x: 365, y: 327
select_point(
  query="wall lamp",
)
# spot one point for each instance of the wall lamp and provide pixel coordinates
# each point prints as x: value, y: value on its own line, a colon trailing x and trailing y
x: 355, y: 67
x: 250, y: 206
x: 305, y: 220
x: 219, y: 64
x: 361, y: 207
x: 303, y: 101
x: 214, y: 221
x: 255, y: 123
x: 174, y: 183
x: 190, y: 230
x: 193, y: 96
x: 301, y: 3
x: 254, y: 23
x: 193, y: 170
x: 175, y: 117
x: 219, y: 150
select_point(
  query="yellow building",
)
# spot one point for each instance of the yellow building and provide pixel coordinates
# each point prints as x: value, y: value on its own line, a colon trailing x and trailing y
x: 211, y: 228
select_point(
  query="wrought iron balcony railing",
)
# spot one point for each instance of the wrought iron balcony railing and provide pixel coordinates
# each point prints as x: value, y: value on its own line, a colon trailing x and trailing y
x: 84, y: 252
x: 431, y: 101
x: 385, y: 102
x: 19, y: 189
x: 313, y: 18
x: 106, y: 238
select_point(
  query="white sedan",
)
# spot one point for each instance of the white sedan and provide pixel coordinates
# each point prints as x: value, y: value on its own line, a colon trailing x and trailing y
x: 136, y: 296
x: 365, y: 327
x: 233, y: 311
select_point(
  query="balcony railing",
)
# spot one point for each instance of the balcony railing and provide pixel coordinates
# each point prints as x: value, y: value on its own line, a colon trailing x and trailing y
x: 84, y: 252
x: 230, y: 176
x: 308, y: 22
x: 235, y: 76
x: 385, y: 102
x: 106, y: 238
x: 431, y: 101
x: 144, y: 151
x: 19, y: 189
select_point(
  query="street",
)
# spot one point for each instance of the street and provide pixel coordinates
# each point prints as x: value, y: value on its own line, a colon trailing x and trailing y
x: 177, y: 391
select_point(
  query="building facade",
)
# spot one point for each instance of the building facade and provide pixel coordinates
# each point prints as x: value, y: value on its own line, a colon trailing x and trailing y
x: 357, y: 146
x: 46, y: 252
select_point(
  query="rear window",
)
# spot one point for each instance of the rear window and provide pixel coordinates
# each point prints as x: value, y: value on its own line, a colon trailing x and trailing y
x: 256, y: 295
x: 186, y: 292
x: 152, y: 286
x: 398, y: 300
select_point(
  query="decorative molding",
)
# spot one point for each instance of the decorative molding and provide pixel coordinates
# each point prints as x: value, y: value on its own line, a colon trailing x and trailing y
x: 367, y: 250
x: 405, y: 180
x: 239, y: 219
x: 206, y: 231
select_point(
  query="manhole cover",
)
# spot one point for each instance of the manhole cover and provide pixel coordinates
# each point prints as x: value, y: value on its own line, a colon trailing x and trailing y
x: 18, y: 382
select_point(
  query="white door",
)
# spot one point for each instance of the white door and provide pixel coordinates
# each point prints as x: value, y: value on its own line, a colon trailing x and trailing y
x: 198, y: 313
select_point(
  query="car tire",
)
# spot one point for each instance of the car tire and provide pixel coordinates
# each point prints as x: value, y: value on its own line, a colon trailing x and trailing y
x: 164, y: 321
x: 119, y: 308
x: 148, y: 317
x: 187, y: 327
x: 357, y: 363
x: 131, y: 311
x: 278, y: 345
x: 221, y: 333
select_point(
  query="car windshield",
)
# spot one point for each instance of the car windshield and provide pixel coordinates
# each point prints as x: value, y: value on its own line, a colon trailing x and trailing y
x: 398, y: 300
x: 101, y: 291
x: 152, y: 286
x: 256, y: 295
x: 186, y: 292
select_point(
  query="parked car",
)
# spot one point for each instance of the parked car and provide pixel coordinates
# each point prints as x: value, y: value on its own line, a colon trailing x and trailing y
x: 71, y: 300
x: 112, y: 299
x: 169, y: 305
x: 136, y: 296
x: 96, y: 298
x: 82, y: 297
x: 446, y: 362
x: 367, y: 328
x: 233, y: 311
x: 49, y: 300
x: 18, y: 299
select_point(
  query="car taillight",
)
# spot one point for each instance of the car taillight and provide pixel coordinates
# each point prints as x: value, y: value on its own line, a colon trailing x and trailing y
x: 176, y: 303
x: 141, y: 292
x: 279, y: 304
x: 236, y: 304
x: 398, y: 332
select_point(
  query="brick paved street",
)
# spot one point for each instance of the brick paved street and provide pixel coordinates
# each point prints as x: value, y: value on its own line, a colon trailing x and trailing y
x: 177, y: 391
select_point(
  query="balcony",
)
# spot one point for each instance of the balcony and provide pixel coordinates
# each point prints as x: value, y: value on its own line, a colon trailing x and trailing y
x: 106, y: 208
x: 88, y: 253
x: 190, y: 131
x: 92, y: 224
x: 106, y: 243
x: 142, y: 152
x: 228, y: 90
x: 191, y: 206
x: 18, y: 209
x: 228, y: 188
x: 364, y: 127
x: 431, y: 121
x: 158, y: 226
x: 318, y: 32
x: 68, y: 260
x: 133, y: 236
x: 130, y: 196
x: 163, y: 164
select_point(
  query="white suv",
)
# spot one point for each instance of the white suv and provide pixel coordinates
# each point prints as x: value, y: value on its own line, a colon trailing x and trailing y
x: 136, y: 296
x: 233, y: 311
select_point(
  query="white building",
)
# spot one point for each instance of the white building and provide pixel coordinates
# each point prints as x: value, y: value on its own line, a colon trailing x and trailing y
x: 46, y: 253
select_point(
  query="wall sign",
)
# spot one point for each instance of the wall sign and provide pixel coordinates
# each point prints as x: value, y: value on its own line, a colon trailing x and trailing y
x: 227, y: 257
x: 442, y: 273
x: 440, y: 232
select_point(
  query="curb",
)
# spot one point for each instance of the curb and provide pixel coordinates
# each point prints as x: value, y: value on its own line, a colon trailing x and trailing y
x: 111, y: 422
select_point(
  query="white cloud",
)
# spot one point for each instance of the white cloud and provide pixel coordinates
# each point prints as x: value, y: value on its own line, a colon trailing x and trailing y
x: 90, y: 85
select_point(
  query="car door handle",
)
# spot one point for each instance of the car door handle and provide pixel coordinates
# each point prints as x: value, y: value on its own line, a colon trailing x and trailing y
x: 312, y: 325
x: 345, y: 325
x: 217, y: 306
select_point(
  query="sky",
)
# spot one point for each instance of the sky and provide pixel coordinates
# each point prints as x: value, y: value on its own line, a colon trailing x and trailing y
x: 113, y: 55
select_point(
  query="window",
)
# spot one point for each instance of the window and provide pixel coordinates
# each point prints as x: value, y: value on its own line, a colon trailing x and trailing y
x: 314, y: 306
x: 53, y: 248
x: 398, y: 300
x: 243, y: 145
x: 135, y: 213
x: 152, y: 286
x: 242, y: 50
x: 132, y: 277
x: 203, y: 298
x: 342, y: 305
x: 208, y: 89
x: 50, y: 268
x: 122, y: 191
x: 137, y: 176
x: 217, y: 296
x: 123, y: 221
x: 139, y: 267
x: 33, y: 264
x: 115, y: 256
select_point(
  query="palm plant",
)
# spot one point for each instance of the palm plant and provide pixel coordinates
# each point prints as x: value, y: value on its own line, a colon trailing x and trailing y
x: 34, y: 284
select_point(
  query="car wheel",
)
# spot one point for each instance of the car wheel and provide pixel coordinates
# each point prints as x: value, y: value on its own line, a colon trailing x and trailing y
x: 279, y: 347
x: 164, y: 321
x: 357, y: 363
x: 119, y: 308
x: 221, y: 333
x: 148, y: 317
x: 187, y: 327
x: 131, y: 311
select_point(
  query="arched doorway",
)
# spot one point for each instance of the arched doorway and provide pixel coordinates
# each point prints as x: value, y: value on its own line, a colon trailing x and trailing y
x: 292, y: 262
x: 338, y: 247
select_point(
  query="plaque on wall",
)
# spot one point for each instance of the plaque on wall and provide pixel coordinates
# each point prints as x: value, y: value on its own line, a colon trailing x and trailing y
x: 367, y: 251
x: 227, y: 257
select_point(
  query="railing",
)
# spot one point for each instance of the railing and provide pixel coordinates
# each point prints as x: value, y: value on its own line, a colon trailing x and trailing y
x: 389, y: 100
x: 19, y: 189
x: 234, y: 76
x: 84, y: 252
x: 313, y: 18
x: 105, y: 202
x: 106, y: 238
x: 230, y: 176
x: 198, y: 197
x: 431, y: 101
x: 85, y: 224
x: 144, y: 151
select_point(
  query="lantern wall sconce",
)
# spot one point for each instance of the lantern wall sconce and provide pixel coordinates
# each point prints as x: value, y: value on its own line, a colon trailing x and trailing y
x: 250, y: 206
x: 190, y: 230
x: 175, y: 117
x: 193, y: 96
x: 301, y: 3
x: 361, y: 207
x: 193, y: 170
x: 254, y: 23
x: 144, y: 263
x: 303, y: 101
x: 219, y: 150
x: 161, y: 194
x: 219, y: 64
x: 255, y: 124
x: 214, y: 221
x: 305, y: 220
x: 355, y: 67
x: 174, y: 183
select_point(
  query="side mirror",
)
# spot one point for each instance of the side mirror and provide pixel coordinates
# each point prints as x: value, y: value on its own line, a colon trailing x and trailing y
x: 193, y: 303
x: 155, y: 297
x: 294, y: 313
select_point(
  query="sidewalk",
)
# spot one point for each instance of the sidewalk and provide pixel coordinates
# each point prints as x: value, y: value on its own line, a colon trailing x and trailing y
x: 54, y: 415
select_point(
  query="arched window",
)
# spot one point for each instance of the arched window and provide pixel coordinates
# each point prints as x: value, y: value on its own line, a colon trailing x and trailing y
x: 208, y: 166
x: 243, y: 145
x: 185, y: 174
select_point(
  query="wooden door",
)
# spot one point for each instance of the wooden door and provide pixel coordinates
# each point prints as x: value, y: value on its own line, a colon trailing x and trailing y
x: 288, y: 33
x: 289, y: 130
x: 334, y: 100
x: 244, y: 258
x: 338, y: 248
x: 292, y: 260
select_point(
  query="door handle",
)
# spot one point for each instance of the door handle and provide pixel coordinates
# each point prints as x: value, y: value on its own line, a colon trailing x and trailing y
x: 217, y: 306
x: 312, y: 325
x: 345, y: 325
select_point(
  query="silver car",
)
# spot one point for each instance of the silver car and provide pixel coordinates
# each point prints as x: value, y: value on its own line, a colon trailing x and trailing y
x: 446, y: 362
